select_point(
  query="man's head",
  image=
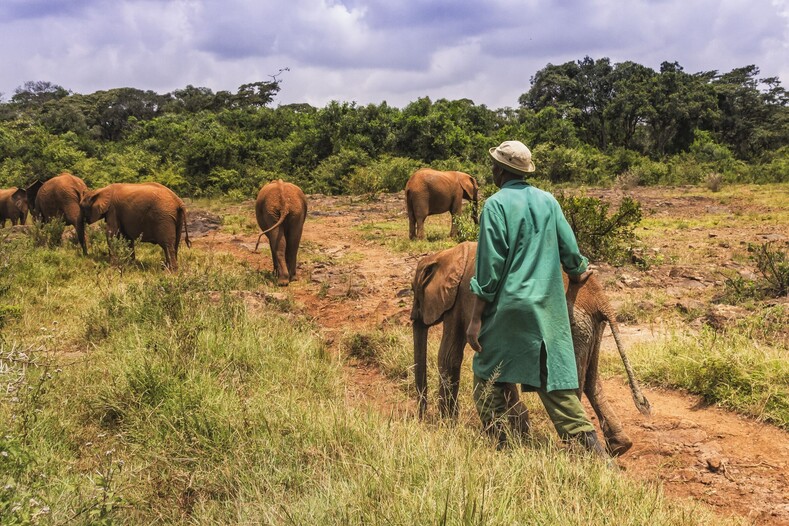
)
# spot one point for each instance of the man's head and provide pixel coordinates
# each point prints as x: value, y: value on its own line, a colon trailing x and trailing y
x: 511, y: 160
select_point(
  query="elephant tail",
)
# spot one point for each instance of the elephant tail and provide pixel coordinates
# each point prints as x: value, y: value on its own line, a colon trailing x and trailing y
x: 182, y: 221
x: 420, y: 364
x: 642, y: 404
x: 269, y: 229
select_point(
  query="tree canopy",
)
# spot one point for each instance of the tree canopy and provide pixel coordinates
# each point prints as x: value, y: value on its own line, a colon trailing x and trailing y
x: 586, y: 121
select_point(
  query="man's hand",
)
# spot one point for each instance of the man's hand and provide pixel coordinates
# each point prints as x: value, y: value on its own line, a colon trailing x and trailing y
x: 472, y: 334
x: 580, y: 278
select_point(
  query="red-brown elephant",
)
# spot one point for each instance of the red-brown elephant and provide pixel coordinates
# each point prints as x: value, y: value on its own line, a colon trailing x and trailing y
x: 281, y: 209
x: 59, y: 197
x: 430, y: 192
x: 149, y: 212
x: 13, y: 206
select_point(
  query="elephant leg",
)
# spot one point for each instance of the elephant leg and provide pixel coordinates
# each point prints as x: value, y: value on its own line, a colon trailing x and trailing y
x: 454, y: 213
x: 420, y: 227
x: 450, y: 359
x: 292, y: 249
x: 170, y: 257
x: 277, y: 244
x: 411, y: 221
x: 615, y: 437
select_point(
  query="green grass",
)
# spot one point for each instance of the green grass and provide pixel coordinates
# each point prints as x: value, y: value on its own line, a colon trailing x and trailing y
x: 735, y: 369
x: 180, y: 405
x: 394, y: 235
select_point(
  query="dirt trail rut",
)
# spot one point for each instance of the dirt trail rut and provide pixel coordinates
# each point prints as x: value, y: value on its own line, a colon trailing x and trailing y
x: 735, y: 465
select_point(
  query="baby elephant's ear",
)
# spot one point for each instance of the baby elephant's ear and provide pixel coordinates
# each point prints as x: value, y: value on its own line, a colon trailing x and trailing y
x: 440, y: 281
x: 19, y: 199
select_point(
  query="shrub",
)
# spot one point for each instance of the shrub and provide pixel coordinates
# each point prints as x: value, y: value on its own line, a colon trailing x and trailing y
x: 772, y: 264
x: 714, y: 182
x: 467, y: 228
x: 628, y: 180
x: 560, y: 164
x: 774, y: 168
x: 48, y: 234
x: 602, y: 236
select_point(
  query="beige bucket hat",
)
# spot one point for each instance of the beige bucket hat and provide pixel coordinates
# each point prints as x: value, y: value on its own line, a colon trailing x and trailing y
x: 513, y: 156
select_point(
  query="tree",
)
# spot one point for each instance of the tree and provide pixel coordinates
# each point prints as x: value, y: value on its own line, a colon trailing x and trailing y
x: 680, y: 103
x: 256, y: 94
x: 754, y: 113
x: 34, y: 94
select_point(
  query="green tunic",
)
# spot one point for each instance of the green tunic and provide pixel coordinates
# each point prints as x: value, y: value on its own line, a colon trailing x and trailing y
x: 524, y: 241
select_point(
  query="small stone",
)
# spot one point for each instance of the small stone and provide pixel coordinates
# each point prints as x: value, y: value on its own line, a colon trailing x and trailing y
x: 714, y: 464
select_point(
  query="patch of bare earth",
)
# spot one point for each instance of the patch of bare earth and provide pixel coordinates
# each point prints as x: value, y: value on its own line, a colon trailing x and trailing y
x: 735, y: 465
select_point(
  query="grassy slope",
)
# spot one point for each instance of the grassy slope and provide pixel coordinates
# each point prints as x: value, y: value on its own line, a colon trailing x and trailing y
x: 133, y: 396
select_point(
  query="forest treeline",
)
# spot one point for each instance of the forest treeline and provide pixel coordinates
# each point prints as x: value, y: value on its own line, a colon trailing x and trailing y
x: 587, y: 121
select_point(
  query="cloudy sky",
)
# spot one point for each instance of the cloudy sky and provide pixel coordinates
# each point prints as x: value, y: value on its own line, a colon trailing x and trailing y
x: 374, y: 50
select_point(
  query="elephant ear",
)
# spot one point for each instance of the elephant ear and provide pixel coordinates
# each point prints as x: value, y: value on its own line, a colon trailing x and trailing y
x: 437, y: 282
x: 94, y: 205
x: 32, y: 192
x: 469, y: 185
x: 19, y: 199
x: 100, y: 202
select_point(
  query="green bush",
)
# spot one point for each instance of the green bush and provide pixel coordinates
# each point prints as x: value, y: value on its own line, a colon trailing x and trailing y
x: 602, y: 236
x: 772, y: 263
x: 49, y: 233
x: 773, y: 169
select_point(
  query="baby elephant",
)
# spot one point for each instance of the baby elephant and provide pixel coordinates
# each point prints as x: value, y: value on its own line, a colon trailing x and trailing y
x: 147, y: 211
x: 281, y: 209
x: 442, y: 295
x: 13, y: 206
x: 430, y: 192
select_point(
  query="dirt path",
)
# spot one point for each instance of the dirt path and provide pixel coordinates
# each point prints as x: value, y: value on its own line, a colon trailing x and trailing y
x: 735, y: 465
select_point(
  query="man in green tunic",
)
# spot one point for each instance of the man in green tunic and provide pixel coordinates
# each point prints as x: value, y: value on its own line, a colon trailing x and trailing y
x: 520, y: 328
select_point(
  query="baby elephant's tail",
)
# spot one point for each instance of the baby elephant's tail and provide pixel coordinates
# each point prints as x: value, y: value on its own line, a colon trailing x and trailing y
x: 182, y: 221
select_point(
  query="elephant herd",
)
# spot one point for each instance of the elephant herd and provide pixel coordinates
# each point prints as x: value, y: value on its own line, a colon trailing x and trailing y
x: 148, y: 212
x: 152, y: 213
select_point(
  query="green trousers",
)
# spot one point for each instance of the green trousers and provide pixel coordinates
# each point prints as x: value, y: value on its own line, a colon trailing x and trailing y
x: 495, y: 405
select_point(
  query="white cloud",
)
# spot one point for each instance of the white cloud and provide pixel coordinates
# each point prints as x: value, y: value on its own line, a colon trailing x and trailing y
x: 374, y: 50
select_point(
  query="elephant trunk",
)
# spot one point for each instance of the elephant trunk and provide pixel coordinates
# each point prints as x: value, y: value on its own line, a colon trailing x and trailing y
x: 420, y: 364
x: 642, y: 404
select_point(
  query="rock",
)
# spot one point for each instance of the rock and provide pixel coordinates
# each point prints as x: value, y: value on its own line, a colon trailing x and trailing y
x: 720, y: 316
x: 201, y: 222
x: 687, y: 305
x: 630, y: 281
x: 275, y: 296
x: 714, y: 464
x: 403, y: 293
